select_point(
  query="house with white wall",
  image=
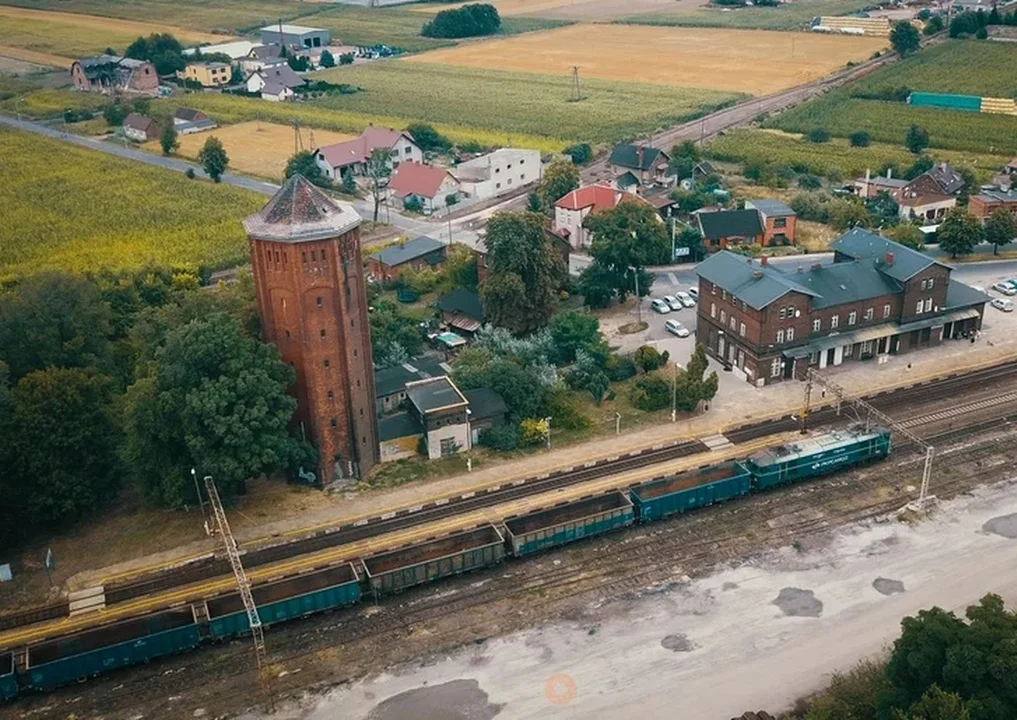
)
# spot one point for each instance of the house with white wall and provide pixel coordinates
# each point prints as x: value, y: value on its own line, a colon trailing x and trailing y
x: 498, y: 173
x: 352, y: 155
x: 571, y: 211
x: 430, y: 185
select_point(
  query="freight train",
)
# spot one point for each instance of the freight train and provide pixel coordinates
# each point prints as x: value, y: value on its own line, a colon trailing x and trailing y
x: 48, y: 664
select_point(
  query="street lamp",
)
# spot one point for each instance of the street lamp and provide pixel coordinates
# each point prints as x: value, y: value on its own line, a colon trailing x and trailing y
x: 674, y: 393
x: 197, y: 489
x: 547, y: 422
x: 617, y: 423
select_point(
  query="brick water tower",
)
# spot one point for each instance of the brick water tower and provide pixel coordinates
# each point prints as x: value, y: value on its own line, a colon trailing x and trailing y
x: 309, y: 279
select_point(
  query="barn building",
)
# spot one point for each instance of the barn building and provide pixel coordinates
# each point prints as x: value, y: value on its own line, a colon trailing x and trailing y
x: 877, y: 298
x: 295, y: 36
x: 309, y: 282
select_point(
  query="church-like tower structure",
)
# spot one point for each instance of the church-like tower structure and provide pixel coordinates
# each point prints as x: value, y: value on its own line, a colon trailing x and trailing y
x: 312, y: 299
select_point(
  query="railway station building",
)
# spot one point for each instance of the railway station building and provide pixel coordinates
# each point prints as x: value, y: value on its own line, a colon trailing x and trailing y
x: 876, y: 298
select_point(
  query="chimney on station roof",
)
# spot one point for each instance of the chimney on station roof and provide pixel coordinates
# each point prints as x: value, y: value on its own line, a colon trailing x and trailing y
x: 889, y: 258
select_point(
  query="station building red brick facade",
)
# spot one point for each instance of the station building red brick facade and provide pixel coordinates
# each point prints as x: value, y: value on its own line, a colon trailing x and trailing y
x: 309, y: 280
x: 876, y: 298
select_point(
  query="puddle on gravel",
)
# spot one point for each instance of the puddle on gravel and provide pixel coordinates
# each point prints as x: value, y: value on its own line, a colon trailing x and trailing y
x: 679, y: 642
x: 1004, y: 526
x: 886, y: 586
x: 454, y: 700
x: 795, y: 602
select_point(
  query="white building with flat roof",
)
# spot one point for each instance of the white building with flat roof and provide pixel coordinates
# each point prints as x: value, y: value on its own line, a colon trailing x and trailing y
x: 498, y: 173
x: 298, y: 35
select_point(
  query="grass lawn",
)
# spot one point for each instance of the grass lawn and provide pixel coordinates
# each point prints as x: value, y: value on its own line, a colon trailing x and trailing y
x: 93, y: 210
x: 788, y: 16
x: 836, y: 157
x: 888, y: 122
x: 47, y: 103
x: 507, y: 103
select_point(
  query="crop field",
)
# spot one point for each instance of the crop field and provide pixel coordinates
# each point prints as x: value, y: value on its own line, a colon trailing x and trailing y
x: 219, y: 16
x: 10, y: 54
x: 788, y: 16
x: 965, y: 67
x: 888, y: 122
x: 256, y: 148
x: 47, y: 103
x: 746, y: 61
x: 506, y: 8
x: 93, y: 210
x: 507, y: 102
x: 71, y: 36
x: 834, y: 158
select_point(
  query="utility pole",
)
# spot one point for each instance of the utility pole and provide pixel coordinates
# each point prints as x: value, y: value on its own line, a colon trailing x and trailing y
x: 548, y: 421
x: 871, y: 412
x: 674, y: 393
x: 575, y: 84
x: 201, y: 503
x: 243, y: 584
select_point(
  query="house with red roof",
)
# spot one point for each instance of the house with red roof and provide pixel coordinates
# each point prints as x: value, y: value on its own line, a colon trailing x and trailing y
x: 431, y: 186
x: 570, y: 212
x: 352, y: 155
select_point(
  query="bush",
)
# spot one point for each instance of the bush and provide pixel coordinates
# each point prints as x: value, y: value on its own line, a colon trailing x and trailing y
x: 500, y: 437
x: 981, y: 33
x: 580, y: 153
x: 115, y: 114
x: 466, y: 21
x: 859, y: 138
x: 73, y: 116
x: 620, y: 367
x: 934, y: 25
x: 413, y: 204
x: 427, y: 138
x: 651, y: 392
x: 818, y: 135
x: 533, y: 431
x: 190, y: 173
x: 647, y: 358
x: 809, y: 182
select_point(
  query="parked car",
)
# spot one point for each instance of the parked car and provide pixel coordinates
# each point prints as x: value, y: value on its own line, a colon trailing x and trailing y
x: 1004, y: 305
x: 676, y: 328
x: 660, y: 306
x: 1005, y: 288
x: 686, y: 299
x: 694, y: 292
x: 673, y: 302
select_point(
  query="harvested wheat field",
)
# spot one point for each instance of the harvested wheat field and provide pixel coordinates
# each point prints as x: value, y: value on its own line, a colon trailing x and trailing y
x: 36, y: 58
x: 751, y: 61
x: 579, y: 10
x: 257, y: 148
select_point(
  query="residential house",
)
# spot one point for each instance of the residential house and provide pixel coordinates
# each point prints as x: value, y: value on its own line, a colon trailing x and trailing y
x: 722, y: 228
x: 140, y: 128
x: 869, y: 187
x: 351, y: 156
x: 987, y: 202
x: 429, y: 185
x: 275, y: 92
x: 499, y: 172
x: 261, y: 56
x: 930, y: 195
x: 877, y: 297
x: 416, y: 254
x: 779, y: 221
x: 189, y: 120
x: 649, y: 165
x: 112, y: 73
x: 390, y: 383
x: 207, y: 74
x: 487, y: 409
x: 275, y: 75
x: 295, y: 36
x: 571, y: 211
x: 462, y: 309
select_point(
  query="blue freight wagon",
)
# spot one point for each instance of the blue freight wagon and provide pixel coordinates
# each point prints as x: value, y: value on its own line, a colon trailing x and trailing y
x: 295, y: 597
x: 816, y: 456
x: 396, y: 570
x: 690, y: 490
x: 56, y: 662
x: 573, y: 521
x: 8, y: 683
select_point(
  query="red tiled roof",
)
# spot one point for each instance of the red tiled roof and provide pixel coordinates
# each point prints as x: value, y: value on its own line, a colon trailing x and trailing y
x: 360, y: 149
x: 597, y: 197
x: 413, y: 178
x: 139, y: 122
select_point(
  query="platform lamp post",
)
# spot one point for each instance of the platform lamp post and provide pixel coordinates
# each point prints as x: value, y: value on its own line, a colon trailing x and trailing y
x: 674, y: 392
x: 547, y: 420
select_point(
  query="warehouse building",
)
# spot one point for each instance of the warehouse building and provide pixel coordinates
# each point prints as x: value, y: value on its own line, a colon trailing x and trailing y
x: 295, y: 36
x: 877, y: 298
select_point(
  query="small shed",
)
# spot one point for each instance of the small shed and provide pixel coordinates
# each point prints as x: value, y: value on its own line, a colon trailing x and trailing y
x: 462, y: 310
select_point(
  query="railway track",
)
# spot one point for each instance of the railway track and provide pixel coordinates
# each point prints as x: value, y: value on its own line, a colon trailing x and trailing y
x: 209, y: 567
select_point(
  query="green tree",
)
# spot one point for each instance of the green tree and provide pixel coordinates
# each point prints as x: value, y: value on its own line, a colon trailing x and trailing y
x: 533, y: 202
x: 213, y: 158
x: 393, y: 334
x: 161, y: 49
x: 53, y: 320
x: 327, y: 60
x: 215, y: 400
x: 689, y: 237
x: 959, y: 232
x: 859, y: 138
x: 581, y: 153
x: 560, y: 178
x: 916, y: 140
x: 573, y: 332
x: 626, y: 239
x: 464, y: 21
x: 681, y: 166
x: 650, y: 392
x: 62, y: 447
x: 427, y: 138
x: 906, y: 234
x: 1000, y: 229
x: 920, y: 654
x: 936, y: 704
x: 349, y: 184
x: 597, y: 285
x: 904, y: 38
x: 818, y: 135
x: 460, y: 268
x: 647, y: 357
x: 306, y: 163
x: 686, y: 149
x: 378, y: 171
x: 114, y: 114
x: 525, y: 272
x: 168, y: 139
x: 521, y: 389
x: 587, y: 376
x: 934, y: 25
